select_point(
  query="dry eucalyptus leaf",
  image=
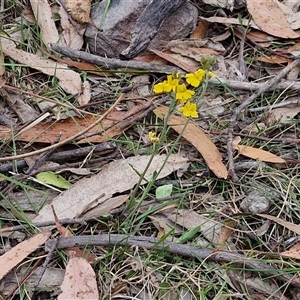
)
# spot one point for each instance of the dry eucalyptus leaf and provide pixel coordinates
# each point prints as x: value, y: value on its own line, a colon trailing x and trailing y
x: 256, y: 153
x: 73, y: 34
x: 293, y: 252
x: 116, y: 177
x: 293, y: 227
x: 282, y: 114
x: 68, y: 79
x: 259, y: 154
x: 270, y: 18
x: 79, y: 281
x: 43, y: 14
x: 13, y: 257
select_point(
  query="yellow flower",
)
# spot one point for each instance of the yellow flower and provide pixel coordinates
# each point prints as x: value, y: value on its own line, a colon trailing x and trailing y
x: 166, y: 86
x: 159, y: 87
x: 196, y: 78
x: 171, y: 83
x: 152, y: 137
x: 189, y: 110
x: 183, y: 94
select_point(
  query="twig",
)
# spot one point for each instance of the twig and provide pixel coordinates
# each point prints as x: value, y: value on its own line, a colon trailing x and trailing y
x: 128, y: 120
x: 70, y: 139
x: 64, y: 156
x: 242, y: 64
x: 174, y: 248
x: 253, y: 86
x: 291, y: 101
x: 268, y: 85
x: 43, y: 224
x: 112, y: 63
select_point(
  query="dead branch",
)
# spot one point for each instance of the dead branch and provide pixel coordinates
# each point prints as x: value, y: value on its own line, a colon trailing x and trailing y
x: 174, y: 248
x: 113, y: 63
x: 64, y: 156
x: 253, y: 86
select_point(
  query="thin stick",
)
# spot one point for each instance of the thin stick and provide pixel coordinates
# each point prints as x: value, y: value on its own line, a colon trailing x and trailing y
x: 70, y: 139
x: 175, y: 248
x: 43, y: 224
x: 268, y: 85
x: 253, y: 86
x: 113, y: 63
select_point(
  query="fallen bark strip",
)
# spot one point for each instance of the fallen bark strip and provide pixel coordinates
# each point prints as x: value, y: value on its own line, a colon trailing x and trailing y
x: 175, y: 248
x: 113, y: 63
x: 148, y: 24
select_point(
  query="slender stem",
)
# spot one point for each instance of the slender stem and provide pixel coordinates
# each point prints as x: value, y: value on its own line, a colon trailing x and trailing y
x: 203, y: 90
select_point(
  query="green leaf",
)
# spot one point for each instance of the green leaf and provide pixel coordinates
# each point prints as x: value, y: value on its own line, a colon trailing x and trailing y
x: 164, y: 191
x: 53, y: 179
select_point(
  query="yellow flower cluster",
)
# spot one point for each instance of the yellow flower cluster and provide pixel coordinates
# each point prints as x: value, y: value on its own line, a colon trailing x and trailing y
x: 182, y: 93
x: 153, y: 138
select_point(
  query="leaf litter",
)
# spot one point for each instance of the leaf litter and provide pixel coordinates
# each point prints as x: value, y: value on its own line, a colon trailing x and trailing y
x: 188, y: 194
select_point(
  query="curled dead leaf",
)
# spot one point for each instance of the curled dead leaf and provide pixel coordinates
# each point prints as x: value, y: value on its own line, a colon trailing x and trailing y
x: 79, y: 10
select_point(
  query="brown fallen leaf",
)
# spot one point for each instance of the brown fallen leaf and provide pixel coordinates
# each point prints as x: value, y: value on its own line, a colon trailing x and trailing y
x: 293, y: 252
x: 259, y: 154
x: 43, y: 16
x: 226, y: 231
x: 198, y: 139
x: 72, y: 32
x: 269, y: 18
x: 282, y: 114
x: 47, y: 133
x: 273, y: 59
x: 15, y: 255
x: 79, y: 281
x: 68, y: 79
x: 167, y: 56
x: 200, y: 31
x: 260, y: 36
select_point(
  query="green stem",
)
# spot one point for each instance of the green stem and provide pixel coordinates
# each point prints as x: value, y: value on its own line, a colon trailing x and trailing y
x: 203, y: 90
x: 150, y: 184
